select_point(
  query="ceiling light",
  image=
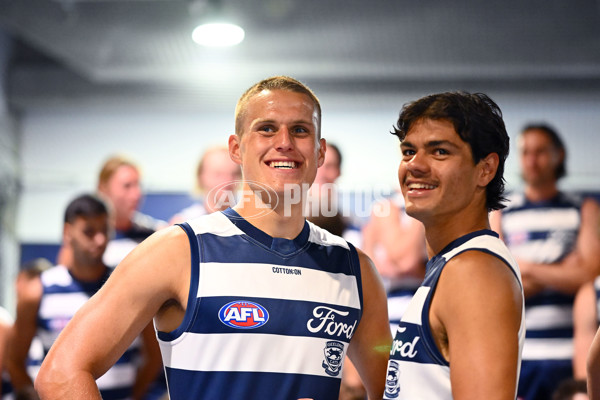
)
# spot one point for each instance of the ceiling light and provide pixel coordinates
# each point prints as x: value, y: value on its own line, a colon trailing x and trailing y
x: 218, y: 34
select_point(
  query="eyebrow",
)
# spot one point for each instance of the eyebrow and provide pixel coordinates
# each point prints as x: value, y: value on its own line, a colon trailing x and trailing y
x: 430, y: 144
x: 268, y: 120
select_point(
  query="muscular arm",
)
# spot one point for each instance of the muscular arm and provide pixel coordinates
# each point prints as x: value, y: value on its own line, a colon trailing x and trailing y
x: 29, y: 294
x: 585, y: 324
x: 370, y: 346
x: 155, y: 272
x: 580, y: 266
x: 475, y: 318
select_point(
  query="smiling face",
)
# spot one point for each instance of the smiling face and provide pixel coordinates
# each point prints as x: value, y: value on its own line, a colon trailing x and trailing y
x: 437, y: 174
x: 279, y: 143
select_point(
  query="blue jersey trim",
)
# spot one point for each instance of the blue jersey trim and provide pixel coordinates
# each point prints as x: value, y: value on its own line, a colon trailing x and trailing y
x: 190, y: 310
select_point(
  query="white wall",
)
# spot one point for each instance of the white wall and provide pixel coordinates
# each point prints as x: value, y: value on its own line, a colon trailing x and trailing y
x: 62, y: 149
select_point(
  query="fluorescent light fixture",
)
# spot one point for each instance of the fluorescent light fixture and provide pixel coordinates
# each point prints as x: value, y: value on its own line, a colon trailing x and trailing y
x: 218, y: 34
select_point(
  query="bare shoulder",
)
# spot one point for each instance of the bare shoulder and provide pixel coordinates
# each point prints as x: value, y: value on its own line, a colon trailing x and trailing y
x: 371, y: 280
x: 366, y: 264
x: 159, y: 265
x: 476, y: 276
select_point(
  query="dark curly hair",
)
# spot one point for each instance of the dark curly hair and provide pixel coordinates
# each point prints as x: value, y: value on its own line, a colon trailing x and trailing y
x: 478, y: 121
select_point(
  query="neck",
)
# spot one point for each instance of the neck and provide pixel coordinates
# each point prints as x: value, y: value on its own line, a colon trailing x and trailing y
x: 87, y: 272
x: 440, y: 234
x: 282, y: 221
x: 541, y: 192
x: 123, y: 223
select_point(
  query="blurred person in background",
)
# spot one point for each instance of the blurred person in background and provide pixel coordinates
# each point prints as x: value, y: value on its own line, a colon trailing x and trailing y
x: 46, y: 302
x: 323, y: 203
x: 217, y: 178
x: 554, y: 238
x: 119, y: 185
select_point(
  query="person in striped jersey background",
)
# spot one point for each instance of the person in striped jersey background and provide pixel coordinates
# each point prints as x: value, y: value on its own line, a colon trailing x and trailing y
x: 554, y: 237
x: 46, y: 302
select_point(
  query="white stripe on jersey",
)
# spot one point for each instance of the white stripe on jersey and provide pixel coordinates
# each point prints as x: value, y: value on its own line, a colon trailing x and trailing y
x: 117, y: 376
x: 413, y: 312
x: 538, y: 349
x: 482, y: 242
x: 539, y: 251
x: 262, y: 353
x: 57, y: 275
x: 58, y: 305
x: 323, y: 237
x: 325, y: 287
x: 549, y: 317
x: 541, y: 220
x: 216, y: 223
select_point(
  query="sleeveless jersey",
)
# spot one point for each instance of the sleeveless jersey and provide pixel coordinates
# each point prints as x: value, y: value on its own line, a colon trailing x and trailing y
x: 267, y: 318
x: 417, y: 369
x: 544, y: 232
x: 62, y: 296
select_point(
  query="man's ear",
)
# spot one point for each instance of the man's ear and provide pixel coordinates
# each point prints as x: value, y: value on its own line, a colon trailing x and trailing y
x: 321, y: 152
x: 67, y: 233
x: 234, y: 149
x: 488, y: 168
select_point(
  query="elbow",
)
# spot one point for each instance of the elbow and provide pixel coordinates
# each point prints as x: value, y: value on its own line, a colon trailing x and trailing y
x: 47, y: 381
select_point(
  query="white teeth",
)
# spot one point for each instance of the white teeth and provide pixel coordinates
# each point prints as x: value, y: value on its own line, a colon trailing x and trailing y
x: 420, y: 186
x: 283, y: 164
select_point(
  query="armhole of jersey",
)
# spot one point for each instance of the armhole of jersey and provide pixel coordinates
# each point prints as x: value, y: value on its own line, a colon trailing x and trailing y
x: 426, y: 334
x: 355, y: 263
x: 190, y: 310
x: 429, y: 341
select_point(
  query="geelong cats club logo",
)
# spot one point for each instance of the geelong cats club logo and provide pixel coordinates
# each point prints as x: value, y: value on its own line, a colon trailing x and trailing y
x: 243, y: 314
x: 392, y: 381
x: 334, y: 355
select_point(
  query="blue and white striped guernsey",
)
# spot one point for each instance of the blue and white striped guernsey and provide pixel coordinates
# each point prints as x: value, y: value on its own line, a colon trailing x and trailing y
x: 417, y: 369
x: 62, y: 296
x: 267, y: 318
x: 544, y: 232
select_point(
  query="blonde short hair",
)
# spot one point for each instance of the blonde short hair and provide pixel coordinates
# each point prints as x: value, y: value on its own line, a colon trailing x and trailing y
x: 274, y: 83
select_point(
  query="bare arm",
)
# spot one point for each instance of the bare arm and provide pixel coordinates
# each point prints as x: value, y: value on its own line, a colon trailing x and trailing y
x: 29, y: 294
x: 370, y: 346
x: 578, y: 267
x: 585, y: 324
x: 156, y: 272
x: 475, y: 291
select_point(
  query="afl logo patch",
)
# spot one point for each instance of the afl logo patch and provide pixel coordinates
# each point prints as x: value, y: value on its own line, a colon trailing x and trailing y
x: 243, y: 314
